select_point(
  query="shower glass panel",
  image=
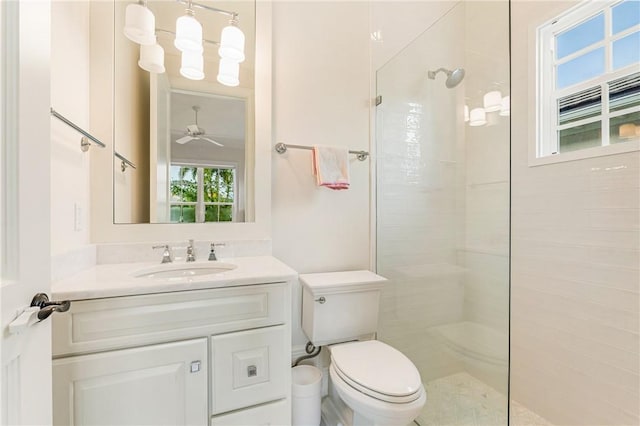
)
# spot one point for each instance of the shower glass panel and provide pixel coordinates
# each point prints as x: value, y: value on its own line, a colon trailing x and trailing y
x: 443, y: 212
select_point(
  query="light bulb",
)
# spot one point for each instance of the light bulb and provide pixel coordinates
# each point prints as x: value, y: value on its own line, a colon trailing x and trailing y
x: 232, y: 43
x: 139, y: 24
x: 505, y: 106
x: 188, y: 33
x: 228, y: 72
x: 492, y: 101
x: 192, y: 65
x: 478, y: 117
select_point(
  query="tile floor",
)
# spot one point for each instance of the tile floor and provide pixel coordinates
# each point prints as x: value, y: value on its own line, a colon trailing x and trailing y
x: 461, y: 399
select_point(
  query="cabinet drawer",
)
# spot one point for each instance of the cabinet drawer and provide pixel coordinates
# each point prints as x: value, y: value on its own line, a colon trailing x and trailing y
x: 162, y: 384
x: 272, y: 414
x: 248, y: 368
x: 104, y: 324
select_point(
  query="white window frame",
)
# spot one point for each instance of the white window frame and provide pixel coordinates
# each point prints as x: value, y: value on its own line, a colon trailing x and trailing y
x: 200, y: 203
x: 546, y: 140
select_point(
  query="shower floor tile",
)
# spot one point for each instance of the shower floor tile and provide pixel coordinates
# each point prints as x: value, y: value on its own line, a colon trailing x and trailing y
x: 461, y: 399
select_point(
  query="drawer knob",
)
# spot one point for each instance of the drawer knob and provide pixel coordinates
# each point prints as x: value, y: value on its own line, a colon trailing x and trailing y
x: 195, y: 366
x: 252, y: 371
x: 321, y: 300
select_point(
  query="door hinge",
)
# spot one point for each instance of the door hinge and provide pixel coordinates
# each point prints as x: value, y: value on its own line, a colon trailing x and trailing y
x: 378, y: 100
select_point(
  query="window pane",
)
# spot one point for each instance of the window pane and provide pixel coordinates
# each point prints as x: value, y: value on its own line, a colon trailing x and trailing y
x: 582, y: 68
x: 211, y: 213
x: 585, y: 34
x: 183, y: 184
x: 626, y: 51
x: 624, y: 92
x: 226, y: 213
x: 625, y: 128
x: 180, y: 214
x: 626, y: 15
x: 580, y: 137
x: 581, y: 105
x: 211, y: 183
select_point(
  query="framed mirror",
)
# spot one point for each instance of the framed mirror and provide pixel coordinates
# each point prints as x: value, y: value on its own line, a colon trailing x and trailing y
x: 183, y: 129
x: 112, y: 189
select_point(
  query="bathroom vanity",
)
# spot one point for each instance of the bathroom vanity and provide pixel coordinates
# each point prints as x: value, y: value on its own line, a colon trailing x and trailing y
x: 206, y: 349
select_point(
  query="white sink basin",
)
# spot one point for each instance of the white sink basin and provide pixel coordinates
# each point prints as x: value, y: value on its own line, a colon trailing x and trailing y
x: 184, y: 270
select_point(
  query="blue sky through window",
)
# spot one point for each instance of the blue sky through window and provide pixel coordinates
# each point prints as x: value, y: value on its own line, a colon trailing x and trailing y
x: 585, y: 34
x: 625, y: 15
x: 626, y: 51
x: 581, y: 68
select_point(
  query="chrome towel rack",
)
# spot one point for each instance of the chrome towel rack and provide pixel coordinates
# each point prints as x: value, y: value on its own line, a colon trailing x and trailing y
x: 124, y: 163
x: 86, y: 136
x: 281, y: 148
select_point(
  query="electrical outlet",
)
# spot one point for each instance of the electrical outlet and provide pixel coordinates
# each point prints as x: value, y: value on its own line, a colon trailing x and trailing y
x: 77, y: 217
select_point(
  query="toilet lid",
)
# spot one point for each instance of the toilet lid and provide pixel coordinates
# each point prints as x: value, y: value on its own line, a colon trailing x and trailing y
x: 377, y: 369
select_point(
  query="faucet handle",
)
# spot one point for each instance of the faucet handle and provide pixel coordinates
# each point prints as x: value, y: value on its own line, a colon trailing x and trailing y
x: 212, y: 253
x: 166, y: 255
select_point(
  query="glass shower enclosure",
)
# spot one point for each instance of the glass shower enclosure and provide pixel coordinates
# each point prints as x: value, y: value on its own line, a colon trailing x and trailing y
x: 442, y: 201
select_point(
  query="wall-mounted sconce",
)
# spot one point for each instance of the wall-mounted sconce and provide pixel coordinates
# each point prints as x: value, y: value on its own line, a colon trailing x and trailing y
x: 140, y: 28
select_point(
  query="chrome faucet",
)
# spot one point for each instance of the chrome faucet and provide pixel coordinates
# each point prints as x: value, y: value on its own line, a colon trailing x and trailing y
x: 167, y: 256
x: 191, y: 252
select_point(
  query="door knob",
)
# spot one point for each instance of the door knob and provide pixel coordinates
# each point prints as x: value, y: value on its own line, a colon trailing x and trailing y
x: 47, y: 307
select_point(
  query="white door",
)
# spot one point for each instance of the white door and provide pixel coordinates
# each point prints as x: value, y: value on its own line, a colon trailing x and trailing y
x: 25, y: 344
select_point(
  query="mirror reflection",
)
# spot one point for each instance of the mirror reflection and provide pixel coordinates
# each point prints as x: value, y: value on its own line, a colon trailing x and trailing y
x: 188, y: 130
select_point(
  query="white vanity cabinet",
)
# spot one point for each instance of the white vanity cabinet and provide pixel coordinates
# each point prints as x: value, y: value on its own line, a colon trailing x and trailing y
x: 215, y: 356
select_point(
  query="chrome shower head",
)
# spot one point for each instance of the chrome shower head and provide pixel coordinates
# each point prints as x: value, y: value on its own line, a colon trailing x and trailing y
x: 454, y: 77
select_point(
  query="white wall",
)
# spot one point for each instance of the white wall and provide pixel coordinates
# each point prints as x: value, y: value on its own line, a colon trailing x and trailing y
x: 320, y: 96
x: 575, y: 266
x: 69, y: 178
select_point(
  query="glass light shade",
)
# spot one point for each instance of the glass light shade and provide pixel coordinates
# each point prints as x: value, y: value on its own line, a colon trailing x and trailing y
x: 139, y: 24
x: 188, y: 34
x: 478, y: 117
x: 152, y: 58
x: 232, y: 44
x: 505, y: 107
x: 228, y: 72
x: 627, y: 131
x: 492, y: 101
x: 466, y: 113
x: 192, y: 65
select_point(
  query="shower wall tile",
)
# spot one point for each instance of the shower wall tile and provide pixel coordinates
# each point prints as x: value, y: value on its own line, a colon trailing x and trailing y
x: 575, y: 281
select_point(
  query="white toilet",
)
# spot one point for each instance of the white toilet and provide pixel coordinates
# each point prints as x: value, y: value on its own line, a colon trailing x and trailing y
x: 370, y: 383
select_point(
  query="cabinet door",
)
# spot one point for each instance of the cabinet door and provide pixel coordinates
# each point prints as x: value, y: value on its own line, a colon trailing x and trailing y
x: 152, y: 385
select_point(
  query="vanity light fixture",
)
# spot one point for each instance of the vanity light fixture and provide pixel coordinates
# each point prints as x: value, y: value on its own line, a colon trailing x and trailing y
x: 232, y: 41
x: 478, y: 117
x: 188, y: 32
x: 228, y: 73
x: 505, y: 106
x: 140, y: 23
x: 152, y: 58
x: 492, y: 101
x: 192, y: 65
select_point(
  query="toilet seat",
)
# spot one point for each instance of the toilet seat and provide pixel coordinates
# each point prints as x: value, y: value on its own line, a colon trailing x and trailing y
x: 377, y: 370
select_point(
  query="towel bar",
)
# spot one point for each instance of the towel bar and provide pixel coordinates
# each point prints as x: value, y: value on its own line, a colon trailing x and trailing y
x: 281, y: 148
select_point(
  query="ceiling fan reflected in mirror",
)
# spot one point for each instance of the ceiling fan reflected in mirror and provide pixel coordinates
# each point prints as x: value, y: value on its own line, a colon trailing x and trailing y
x: 195, y: 132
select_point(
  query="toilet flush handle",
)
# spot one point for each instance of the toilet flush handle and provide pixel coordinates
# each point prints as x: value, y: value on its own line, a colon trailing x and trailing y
x: 321, y: 300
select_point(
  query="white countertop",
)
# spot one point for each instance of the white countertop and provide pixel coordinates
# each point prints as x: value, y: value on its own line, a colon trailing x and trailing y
x: 112, y: 280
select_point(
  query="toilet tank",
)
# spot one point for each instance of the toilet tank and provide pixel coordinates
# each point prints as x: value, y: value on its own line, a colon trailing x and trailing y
x: 340, y: 306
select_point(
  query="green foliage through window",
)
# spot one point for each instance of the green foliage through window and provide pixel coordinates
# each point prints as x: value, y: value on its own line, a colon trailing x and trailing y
x: 208, y: 192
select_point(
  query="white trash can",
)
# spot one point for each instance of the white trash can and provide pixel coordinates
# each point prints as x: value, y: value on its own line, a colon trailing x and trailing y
x: 306, y: 382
